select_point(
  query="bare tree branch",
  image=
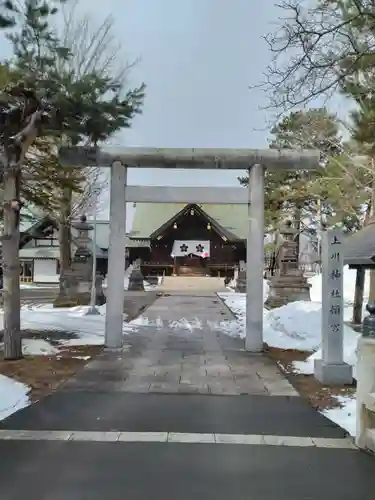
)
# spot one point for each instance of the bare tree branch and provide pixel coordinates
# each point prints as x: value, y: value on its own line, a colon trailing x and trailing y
x: 316, y: 48
x: 88, y: 200
x: 94, y: 48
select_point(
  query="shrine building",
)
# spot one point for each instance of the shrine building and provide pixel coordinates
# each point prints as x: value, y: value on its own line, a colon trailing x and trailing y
x: 188, y: 239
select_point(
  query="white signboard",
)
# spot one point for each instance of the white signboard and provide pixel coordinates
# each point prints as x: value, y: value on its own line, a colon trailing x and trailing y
x: 332, y: 297
x: 181, y: 248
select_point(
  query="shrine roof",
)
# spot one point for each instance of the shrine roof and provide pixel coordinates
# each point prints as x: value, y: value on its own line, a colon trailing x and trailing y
x: 359, y: 248
x: 149, y: 217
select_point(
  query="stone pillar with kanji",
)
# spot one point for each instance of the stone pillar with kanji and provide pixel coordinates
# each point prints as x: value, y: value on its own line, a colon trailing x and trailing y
x: 332, y: 369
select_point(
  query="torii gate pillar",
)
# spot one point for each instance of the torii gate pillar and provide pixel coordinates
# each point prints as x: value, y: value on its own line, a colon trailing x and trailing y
x: 255, y: 261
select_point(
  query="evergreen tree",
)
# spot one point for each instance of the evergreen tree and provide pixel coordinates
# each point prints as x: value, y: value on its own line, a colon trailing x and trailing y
x: 93, y: 102
x: 303, y: 193
x: 60, y: 106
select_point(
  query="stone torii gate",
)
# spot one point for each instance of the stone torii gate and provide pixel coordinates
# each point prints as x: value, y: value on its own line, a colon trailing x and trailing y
x: 255, y: 161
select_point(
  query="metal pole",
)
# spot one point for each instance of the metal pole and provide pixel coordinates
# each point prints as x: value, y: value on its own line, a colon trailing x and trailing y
x: 255, y: 261
x: 93, y: 309
x: 116, y: 257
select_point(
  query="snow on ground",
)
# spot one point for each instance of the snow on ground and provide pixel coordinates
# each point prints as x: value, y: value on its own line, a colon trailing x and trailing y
x: 38, y: 347
x: 349, y: 287
x: 345, y: 415
x: 39, y: 285
x: 13, y: 396
x: 28, y: 285
x: 294, y: 326
x: 350, y: 354
x: 350, y: 335
x: 89, y: 329
x: 298, y: 326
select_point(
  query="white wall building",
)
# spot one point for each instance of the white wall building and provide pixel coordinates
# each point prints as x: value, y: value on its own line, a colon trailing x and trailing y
x: 39, y: 253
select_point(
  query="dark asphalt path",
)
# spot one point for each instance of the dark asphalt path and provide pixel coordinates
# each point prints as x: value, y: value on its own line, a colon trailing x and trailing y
x: 157, y: 471
x: 116, y: 411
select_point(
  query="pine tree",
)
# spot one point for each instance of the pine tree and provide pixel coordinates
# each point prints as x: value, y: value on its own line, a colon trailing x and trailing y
x: 93, y: 101
x: 304, y: 193
x: 61, y: 107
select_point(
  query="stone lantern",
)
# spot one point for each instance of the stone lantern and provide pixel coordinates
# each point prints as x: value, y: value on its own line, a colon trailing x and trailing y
x: 288, y: 284
x: 136, y: 278
x: 82, y: 260
x: 240, y: 277
x: 78, y: 281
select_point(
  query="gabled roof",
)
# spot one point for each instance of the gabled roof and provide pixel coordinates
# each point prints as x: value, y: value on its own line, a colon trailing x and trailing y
x: 215, y: 225
x: 38, y: 228
x: 149, y: 217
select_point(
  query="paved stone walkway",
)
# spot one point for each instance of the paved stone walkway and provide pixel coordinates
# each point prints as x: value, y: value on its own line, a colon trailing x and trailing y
x: 160, y: 358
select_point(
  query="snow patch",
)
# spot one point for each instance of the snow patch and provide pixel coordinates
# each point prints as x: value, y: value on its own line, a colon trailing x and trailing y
x: 13, y: 396
x: 349, y: 287
x: 345, y: 415
x: 89, y: 329
x: 38, y: 347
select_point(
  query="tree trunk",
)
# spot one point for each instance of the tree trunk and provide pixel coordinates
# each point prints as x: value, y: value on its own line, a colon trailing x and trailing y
x: 358, y: 296
x: 11, y: 270
x: 65, y: 237
x: 371, y: 297
x: 65, y: 248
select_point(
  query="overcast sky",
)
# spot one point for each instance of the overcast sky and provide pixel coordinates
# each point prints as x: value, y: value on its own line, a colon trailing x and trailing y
x: 197, y: 58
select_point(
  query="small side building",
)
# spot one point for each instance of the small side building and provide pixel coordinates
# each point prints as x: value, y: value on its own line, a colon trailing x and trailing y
x: 359, y: 254
x: 188, y: 239
x: 359, y: 248
x: 39, y: 251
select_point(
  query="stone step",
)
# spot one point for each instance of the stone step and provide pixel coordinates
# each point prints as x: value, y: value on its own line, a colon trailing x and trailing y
x: 192, y: 283
x: 191, y: 271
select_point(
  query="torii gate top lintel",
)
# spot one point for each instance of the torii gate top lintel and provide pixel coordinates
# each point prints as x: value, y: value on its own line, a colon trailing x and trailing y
x: 230, y: 159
